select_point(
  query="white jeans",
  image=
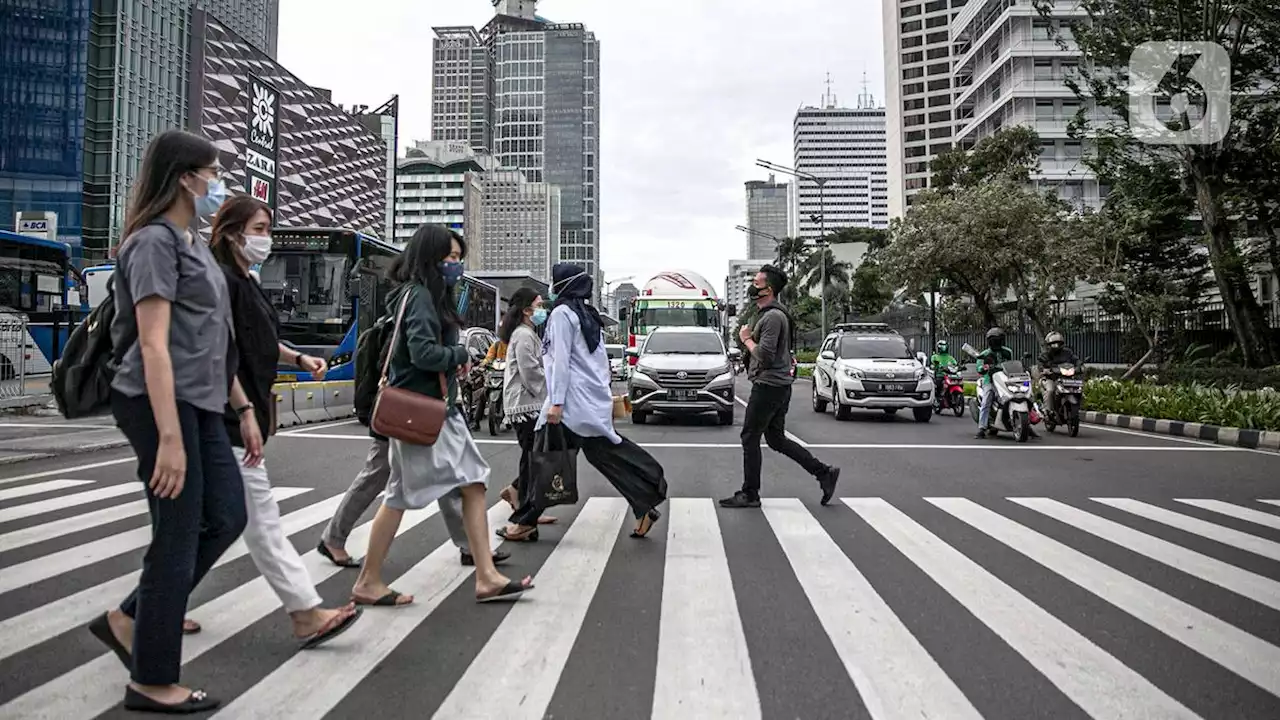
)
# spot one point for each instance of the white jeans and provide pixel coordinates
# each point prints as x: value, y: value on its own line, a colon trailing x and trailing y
x: 269, y: 547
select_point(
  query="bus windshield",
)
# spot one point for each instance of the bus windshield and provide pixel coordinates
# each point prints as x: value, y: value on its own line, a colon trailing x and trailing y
x: 309, y: 290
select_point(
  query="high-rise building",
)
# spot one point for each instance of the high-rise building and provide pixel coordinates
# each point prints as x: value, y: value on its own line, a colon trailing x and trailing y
x: 384, y: 122
x: 741, y: 273
x: 440, y: 182
x: 918, y: 91
x: 521, y: 224
x: 768, y: 217
x: 528, y: 89
x: 43, y: 56
x: 621, y: 297
x: 1010, y: 70
x: 846, y: 148
x: 138, y: 64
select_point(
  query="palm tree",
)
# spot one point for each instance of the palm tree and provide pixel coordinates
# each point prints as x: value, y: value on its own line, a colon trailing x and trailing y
x: 839, y: 279
x: 790, y: 257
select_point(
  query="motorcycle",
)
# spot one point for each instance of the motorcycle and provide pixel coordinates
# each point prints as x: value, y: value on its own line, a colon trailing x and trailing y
x: 1067, y: 400
x: 474, y: 394
x: 1011, y: 409
x: 493, y: 380
x: 951, y: 397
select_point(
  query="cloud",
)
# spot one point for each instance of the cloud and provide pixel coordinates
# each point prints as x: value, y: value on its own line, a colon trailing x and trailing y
x: 692, y: 92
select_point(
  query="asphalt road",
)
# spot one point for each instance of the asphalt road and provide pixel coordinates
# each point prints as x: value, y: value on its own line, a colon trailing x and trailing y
x: 1116, y: 575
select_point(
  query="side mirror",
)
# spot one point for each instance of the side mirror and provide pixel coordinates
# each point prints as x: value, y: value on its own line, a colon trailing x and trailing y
x: 827, y: 355
x: 924, y: 360
x: 734, y: 353
x: 632, y: 352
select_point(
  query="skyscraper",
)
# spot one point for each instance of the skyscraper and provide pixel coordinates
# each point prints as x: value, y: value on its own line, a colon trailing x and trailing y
x: 845, y: 147
x: 461, y: 98
x: 768, y: 217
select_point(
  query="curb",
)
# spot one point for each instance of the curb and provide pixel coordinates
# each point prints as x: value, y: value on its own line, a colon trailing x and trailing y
x: 1234, y: 437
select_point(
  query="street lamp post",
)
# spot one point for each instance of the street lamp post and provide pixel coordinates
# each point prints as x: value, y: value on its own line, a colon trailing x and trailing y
x: 822, y: 223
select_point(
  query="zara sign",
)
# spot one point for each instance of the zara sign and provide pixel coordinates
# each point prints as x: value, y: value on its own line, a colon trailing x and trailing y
x: 262, y: 141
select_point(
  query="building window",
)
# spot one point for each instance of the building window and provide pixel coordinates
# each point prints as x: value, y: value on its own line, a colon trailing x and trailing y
x: 912, y: 57
x: 938, y: 53
x: 915, y: 136
x: 1071, y: 150
x: 913, y: 104
x: 910, y: 27
x: 935, y: 37
x: 1044, y: 109
x: 910, y: 42
x: 937, y: 21
x: 1041, y: 29
x: 913, y: 88
x: 939, y: 69
x: 912, y: 73
x: 939, y: 132
x: 1043, y: 69
x: 908, y: 11
x: 941, y: 116
x: 939, y: 148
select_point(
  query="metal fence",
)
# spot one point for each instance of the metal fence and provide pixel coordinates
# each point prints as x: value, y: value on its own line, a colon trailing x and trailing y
x: 15, y: 347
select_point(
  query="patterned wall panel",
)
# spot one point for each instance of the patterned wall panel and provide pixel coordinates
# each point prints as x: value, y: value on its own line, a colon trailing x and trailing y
x: 331, y: 171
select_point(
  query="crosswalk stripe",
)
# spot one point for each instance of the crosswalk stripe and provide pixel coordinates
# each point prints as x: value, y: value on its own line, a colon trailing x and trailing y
x: 1240, y: 513
x: 39, y: 507
x: 1095, y: 680
x: 1224, y: 575
x: 291, y: 690
x: 704, y: 667
x: 1247, y: 656
x: 1271, y: 502
x: 54, y: 564
x: 66, y: 613
x: 516, y: 672
x: 38, y: 488
x: 77, y: 523
x: 96, y: 686
x: 1196, y: 526
x: 894, y: 674
x: 64, y: 471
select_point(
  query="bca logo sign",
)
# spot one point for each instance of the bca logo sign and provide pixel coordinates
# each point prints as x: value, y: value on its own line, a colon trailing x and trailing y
x: 39, y: 226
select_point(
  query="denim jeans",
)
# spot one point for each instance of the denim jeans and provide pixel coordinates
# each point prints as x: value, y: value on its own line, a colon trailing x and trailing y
x: 987, y: 398
x: 188, y: 533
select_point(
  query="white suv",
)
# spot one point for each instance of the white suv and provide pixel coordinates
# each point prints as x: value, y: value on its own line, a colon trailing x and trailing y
x: 870, y: 367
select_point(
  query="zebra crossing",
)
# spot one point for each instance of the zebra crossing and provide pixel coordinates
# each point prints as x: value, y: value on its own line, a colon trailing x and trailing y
x: 883, y: 608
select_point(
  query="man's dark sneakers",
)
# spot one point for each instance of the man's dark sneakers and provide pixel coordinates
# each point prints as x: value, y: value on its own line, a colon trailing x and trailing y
x: 499, y: 557
x: 827, y: 481
x: 982, y: 434
x: 740, y: 500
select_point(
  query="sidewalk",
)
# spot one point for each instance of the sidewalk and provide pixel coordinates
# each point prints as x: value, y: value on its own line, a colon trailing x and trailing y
x: 29, y: 438
x: 33, y: 394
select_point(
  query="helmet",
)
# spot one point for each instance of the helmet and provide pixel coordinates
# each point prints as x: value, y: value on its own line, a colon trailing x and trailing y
x: 942, y: 346
x: 1055, y: 340
x: 994, y: 333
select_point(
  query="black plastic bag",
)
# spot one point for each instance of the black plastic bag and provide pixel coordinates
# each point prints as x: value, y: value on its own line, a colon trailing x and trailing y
x: 554, y: 471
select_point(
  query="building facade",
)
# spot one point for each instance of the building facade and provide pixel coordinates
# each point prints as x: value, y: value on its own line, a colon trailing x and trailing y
x: 845, y: 147
x: 440, y: 182
x: 43, y: 66
x: 768, y: 216
x: 329, y: 169
x: 741, y: 273
x: 621, y: 297
x: 461, y: 88
x: 521, y: 224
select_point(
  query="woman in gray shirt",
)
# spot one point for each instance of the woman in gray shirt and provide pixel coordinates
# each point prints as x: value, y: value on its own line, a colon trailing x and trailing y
x: 172, y: 338
x: 524, y: 390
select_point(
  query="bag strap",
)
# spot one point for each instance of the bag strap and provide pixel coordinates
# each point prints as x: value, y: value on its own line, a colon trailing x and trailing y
x: 395, y: 337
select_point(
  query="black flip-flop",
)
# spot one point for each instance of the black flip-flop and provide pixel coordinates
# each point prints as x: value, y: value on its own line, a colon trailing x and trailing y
x: 350, y: 562
x: 323, y: 636
x: 531, y: 536
x: 499, y: 557
x: 101, y: 629
x: 512, y: 591
x: 652, y: 516
x: 388, y: 600
x: 196, y: 702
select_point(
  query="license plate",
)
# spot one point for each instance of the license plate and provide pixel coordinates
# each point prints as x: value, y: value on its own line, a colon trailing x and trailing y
x: 680, y: 395
x: 893, y: 387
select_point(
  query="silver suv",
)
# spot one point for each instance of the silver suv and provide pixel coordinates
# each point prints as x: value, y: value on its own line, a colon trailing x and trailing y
x: 682, y: 371
x: 870, y: 367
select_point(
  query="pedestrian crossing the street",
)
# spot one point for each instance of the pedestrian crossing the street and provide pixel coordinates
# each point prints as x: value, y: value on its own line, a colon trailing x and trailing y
x: 874, y: 607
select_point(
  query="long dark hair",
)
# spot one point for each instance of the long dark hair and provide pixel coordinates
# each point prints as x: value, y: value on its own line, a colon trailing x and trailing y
x: 520, y: 301
x: 422, y: 256
x: 170, y: 155
x: 230, y: 222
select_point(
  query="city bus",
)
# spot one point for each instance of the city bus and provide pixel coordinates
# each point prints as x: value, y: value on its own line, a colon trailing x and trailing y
x: 34, y: 277
x: 478, y: 304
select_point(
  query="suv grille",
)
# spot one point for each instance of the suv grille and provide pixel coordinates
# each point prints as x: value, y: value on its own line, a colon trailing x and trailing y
x: 692, y: 379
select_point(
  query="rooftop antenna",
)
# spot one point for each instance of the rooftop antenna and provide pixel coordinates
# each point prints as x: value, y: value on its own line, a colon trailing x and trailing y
x: 829, y: 99
x: 865, y: 100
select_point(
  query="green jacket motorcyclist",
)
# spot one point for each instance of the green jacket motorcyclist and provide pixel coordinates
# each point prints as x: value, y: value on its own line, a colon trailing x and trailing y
x: 941, y: 359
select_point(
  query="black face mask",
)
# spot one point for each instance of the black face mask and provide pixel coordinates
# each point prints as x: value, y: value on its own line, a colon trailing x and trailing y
x: 754, y: 292
x: 995, y: 343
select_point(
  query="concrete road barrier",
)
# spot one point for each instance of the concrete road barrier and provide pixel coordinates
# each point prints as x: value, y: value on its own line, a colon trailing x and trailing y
x: 308, y: 402
x: 339, y: 399
x: 285, y: 416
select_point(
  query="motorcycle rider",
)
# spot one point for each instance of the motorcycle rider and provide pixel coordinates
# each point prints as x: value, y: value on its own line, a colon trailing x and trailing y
x: 940, y: 361
x: 989, y: 360
x: 1055, y: 355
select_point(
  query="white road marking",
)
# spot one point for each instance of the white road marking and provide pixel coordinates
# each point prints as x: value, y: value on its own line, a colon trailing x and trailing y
x: 790, y: 434
x: 894, y: 674
x: 104, y: 426
x: 37, y: 488
x: 94, y: 687
x: 516, y: 672
x: 704, y: 666
x: 1240, y: 513
x: 302, y: 429
x: 1096, y: 681
x: 291, y: 691
x: 68, y: 470
x: 81, y: 498
x: 1236, y: 650
x: 1176, y: 438
x: 1196, y: 526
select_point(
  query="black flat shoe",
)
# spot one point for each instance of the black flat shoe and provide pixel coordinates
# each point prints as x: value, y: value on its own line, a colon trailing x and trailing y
x: 196, y: 702
x: 827, y: 481
x: 499, y: 557
x: 101, y: 629
x: 350, y: 562
x: 645, y: 524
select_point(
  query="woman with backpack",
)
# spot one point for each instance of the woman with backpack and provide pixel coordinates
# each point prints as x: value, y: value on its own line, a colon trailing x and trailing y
x: 241, y: 238
x: 524, y: 390
x: 425, y: 358
x: 176, y: 375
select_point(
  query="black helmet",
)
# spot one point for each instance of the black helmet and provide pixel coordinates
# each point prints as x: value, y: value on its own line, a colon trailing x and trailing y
x: 994, y: 333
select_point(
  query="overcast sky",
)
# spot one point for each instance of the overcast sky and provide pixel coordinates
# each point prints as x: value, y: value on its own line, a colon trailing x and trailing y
x: 692, y: 92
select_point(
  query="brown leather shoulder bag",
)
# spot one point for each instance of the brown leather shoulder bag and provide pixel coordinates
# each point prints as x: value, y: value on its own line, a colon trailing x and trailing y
x: 403, y: 414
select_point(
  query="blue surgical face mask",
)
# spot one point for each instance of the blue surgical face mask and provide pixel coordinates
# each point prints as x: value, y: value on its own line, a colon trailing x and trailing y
x: 207, y: 205
x: 539, y: 316
x: 452, y: 272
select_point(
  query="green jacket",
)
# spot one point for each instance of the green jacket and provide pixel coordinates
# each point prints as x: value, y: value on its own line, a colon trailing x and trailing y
x: 940, y: 362
x: 999, y: 357
x: 424, y: 349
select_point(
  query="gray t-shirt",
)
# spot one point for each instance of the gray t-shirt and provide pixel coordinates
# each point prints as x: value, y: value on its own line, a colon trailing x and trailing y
x: 159, y: 261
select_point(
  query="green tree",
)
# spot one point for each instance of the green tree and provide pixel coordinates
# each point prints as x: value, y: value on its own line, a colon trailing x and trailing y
x: 1012, y: 154
x: 869, y: 291
x: 1249, y: 31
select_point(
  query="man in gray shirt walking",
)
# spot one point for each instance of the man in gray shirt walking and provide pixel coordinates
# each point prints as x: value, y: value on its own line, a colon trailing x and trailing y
x: 769, y: 345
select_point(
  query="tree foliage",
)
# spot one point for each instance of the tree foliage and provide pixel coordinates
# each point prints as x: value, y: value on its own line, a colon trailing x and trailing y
x: 1011, y: 154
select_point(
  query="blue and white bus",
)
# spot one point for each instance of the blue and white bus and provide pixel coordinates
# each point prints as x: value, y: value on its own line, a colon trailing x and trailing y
x: 34, y: 280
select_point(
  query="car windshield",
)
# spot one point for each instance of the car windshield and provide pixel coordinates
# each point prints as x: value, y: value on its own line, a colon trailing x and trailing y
x: 874, y: 347
x: 684, y: 343
x: 615, y: 352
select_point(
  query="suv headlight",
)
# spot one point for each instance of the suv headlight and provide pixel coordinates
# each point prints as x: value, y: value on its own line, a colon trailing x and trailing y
x: 854, y: 373
x: 921, y: 374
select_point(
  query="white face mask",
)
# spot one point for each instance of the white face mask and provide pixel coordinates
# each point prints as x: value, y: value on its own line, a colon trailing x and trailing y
x: 256, y: 248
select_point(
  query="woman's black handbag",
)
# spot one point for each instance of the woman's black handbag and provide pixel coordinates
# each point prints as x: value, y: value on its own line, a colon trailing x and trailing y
x: 554, y: 471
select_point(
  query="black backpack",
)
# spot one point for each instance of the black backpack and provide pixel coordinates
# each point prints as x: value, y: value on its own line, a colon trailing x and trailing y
x: 81, y: 379
x: 371, y: 352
